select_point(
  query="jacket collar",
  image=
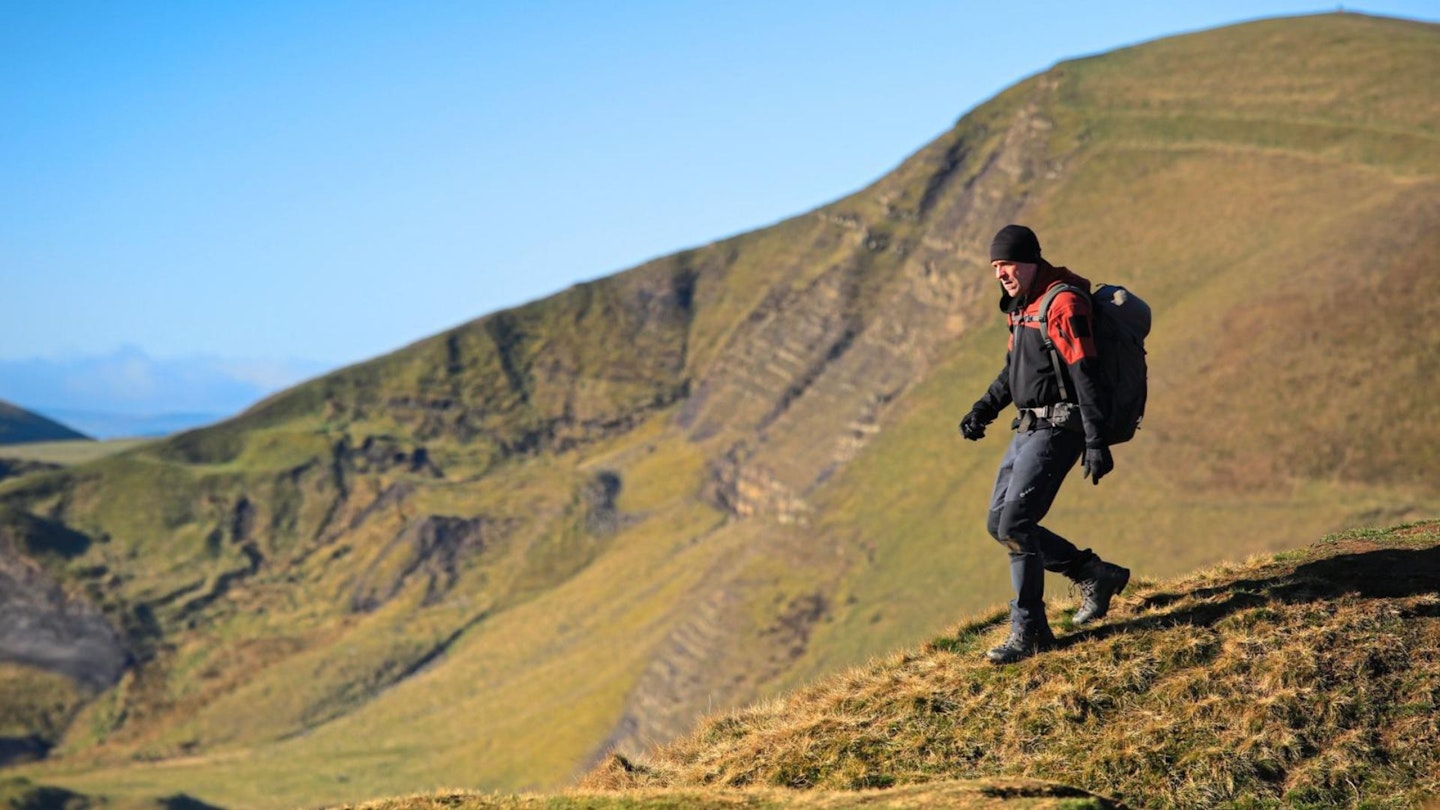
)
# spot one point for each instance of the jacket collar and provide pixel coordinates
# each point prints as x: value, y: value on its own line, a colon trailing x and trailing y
x: 1046, y: 277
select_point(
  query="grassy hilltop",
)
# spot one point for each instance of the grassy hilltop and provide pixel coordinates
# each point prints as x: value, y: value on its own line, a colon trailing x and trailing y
x: 495, y: 556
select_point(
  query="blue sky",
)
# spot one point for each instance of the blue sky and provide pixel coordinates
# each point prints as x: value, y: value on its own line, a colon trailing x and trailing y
x: 333, y: 180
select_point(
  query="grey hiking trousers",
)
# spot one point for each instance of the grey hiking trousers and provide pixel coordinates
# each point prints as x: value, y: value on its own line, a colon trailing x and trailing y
x: 1029, y: 479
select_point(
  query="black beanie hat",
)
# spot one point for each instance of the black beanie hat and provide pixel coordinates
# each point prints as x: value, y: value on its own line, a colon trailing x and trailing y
x: 1015, y: 243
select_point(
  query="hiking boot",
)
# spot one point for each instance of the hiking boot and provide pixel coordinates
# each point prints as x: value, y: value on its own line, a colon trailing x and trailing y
x: 1021, y: 644
x: 1100, y: 581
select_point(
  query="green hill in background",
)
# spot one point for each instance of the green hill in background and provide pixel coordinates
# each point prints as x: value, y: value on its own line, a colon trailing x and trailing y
x: 18, y: 426
x: 494, y: 557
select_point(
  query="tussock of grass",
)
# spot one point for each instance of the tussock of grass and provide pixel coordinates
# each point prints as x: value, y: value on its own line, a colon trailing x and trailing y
x: 1304, y: 679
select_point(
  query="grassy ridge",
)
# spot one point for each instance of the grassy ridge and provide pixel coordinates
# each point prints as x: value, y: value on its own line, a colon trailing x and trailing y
x: 1307, y: 678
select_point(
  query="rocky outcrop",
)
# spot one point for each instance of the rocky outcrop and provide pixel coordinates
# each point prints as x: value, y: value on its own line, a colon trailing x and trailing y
x: 43, y: 626
x: 432, y: 549
x: 602, y: 516
x: 377, y: 454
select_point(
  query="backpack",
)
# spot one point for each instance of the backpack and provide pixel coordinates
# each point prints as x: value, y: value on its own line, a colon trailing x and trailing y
x: 1122, y: 322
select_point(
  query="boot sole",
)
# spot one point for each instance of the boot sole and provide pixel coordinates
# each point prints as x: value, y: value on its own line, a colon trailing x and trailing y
x: 1000, y: 660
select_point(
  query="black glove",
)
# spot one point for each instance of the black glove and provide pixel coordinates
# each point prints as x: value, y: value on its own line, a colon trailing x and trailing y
x: 973, y: 425
x: 1097, y: 463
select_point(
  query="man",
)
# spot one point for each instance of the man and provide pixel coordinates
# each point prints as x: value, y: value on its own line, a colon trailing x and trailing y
x: 1061, y: 417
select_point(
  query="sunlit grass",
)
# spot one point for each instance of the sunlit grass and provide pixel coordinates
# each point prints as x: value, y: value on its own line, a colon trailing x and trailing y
x: 1301, y: 679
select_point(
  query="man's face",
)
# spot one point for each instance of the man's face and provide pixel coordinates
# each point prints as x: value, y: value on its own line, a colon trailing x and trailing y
x: 1015, y: 277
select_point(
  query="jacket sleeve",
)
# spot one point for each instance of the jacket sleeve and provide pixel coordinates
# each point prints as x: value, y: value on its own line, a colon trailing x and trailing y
x: 997, y: 396
x: 1070, y: 327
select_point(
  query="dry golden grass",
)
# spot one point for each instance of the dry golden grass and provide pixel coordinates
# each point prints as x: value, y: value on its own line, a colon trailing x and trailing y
x: 1310, y: 678
x: 989, y: 794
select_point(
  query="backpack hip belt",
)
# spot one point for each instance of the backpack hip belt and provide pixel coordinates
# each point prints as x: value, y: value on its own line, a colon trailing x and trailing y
x: 1060, y: 415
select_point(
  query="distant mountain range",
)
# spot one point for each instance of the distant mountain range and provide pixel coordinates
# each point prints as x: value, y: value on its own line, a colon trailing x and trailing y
x: 496, y: 555
x: 129, y: 393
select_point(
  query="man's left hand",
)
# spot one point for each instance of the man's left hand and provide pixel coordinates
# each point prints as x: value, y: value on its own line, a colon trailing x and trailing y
x: 1098, y: 463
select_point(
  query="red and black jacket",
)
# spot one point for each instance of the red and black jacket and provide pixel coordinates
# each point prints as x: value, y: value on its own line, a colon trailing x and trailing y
x: 1029, y: 377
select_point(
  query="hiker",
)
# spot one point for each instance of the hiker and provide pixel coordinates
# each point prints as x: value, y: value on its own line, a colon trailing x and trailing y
x: 1061, y: 420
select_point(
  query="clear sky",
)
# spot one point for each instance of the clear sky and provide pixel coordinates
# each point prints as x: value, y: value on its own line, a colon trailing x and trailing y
x: 331, y: 180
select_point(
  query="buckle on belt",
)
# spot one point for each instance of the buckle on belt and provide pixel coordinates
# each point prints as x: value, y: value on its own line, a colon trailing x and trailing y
x: 1058, y: 415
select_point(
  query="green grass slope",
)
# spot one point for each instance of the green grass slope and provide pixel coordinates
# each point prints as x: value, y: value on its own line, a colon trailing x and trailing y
x: 494, y: 556
x: 19, y: 426
x: 1308, y: 678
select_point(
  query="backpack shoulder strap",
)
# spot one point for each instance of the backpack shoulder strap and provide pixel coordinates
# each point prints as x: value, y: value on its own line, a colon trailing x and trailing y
x: 1044, y: 318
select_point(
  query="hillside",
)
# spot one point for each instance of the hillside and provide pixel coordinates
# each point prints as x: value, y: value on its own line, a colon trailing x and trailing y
x: 1310, y: 678
x: 495, y: 556
x: 18, y: 426
x: 1306, y: 678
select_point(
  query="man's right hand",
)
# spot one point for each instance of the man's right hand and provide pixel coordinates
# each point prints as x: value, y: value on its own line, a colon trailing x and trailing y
x: 972, y: 427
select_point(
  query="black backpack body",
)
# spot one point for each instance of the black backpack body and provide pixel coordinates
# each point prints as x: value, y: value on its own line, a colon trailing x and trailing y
x: 1122, y: 322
